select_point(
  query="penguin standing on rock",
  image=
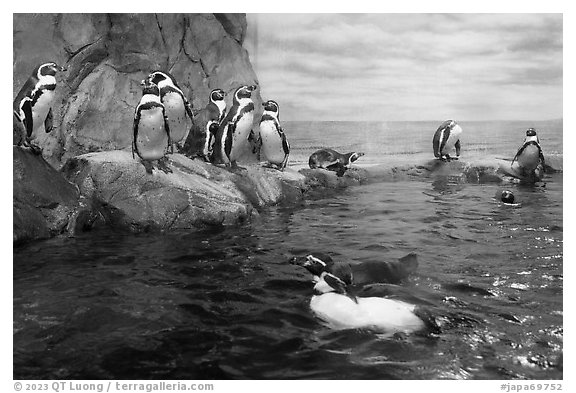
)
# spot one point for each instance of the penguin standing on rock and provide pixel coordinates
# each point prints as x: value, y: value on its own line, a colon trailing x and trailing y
x: 176, y: 105
x: 446, y: 138
x: 272, y: 138
x: 216, y: 110
x: 233, y: 131
x: 33, y: 104
x: 151, y: 129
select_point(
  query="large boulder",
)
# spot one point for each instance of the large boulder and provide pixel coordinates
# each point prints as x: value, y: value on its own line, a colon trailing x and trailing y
x: 44, y: 203
x: 107, y: 55
x: 194, y: 195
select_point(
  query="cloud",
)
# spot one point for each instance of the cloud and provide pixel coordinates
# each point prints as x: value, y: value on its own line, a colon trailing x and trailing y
x: 409, y: 66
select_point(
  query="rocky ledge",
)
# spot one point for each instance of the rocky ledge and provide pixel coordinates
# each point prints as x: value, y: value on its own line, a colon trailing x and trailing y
x: 112, y: 188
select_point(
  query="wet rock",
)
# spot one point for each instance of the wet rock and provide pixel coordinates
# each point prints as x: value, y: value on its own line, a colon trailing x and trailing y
x: 322, y: 178
x: 196, y: 194
x: 44, y: 202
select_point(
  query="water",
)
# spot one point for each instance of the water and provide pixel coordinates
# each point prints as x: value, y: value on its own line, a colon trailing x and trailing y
x: 225, y: 303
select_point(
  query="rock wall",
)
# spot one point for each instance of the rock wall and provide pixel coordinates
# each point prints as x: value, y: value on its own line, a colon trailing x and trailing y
x: 107, y: 55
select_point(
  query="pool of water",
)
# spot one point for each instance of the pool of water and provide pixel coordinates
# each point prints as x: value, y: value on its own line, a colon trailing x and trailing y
x: 225, y: 303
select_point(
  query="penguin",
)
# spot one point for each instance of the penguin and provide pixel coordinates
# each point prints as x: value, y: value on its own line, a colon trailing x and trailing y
x: 332, y: 160
x: 529, y: 158
x: 33, y: 104
x: 151, y: 129
x: 176, y: 105
x: 272, y: 139
x: 215, y: 112
x: 234, y: 129
x: 216, y: 108
x: 447, y: 137
x: 334, y: 305
x: 368, y: 272
x: 507, y: 196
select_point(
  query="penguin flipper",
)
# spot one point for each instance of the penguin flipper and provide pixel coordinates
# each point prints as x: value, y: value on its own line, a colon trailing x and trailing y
x: 286, y: 148
x: 333, y: 165
x: 457, y: 146
x: 135, y: 131
x: 285, y: 144
x: 518, y: 153
x: 28, y: 122
x: 48, y: 122
x: 167, y: 128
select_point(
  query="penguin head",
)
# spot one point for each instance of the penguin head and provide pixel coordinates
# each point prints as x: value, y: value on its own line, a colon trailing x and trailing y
x: 271, y: 107
x: 507, y: 196
x: 217, y: 95
x: 48, y: 69
x: 243, y: 92
x: 314, y: 263
x: 531, y: 136
x: 161, y: 78
x: 329, y: 283
x: 353, y: 157
x: 150, y: 88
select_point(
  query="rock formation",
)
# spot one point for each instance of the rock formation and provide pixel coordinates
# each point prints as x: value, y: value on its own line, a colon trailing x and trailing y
x: 107, y: 55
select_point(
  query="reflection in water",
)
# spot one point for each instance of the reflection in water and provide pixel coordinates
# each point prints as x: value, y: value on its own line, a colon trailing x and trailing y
x: 226, y: 303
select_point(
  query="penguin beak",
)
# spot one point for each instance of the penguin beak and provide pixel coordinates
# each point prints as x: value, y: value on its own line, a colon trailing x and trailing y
x: 252, y: 88
x: 62, y: 68
x: 142, y: 82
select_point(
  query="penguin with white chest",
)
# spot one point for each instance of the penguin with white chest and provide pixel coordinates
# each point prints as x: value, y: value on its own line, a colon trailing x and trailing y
x: 446, y: 138
x: 33, y: 104
x: 151, y: 129
x: 233, y: 131
x: 273, y: 141
x: 332, y: 304
x: 176, y: 105
x: 215, y: 110
x: 529, y: 157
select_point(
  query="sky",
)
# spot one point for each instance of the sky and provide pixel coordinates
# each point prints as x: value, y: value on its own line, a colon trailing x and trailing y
x: 400, y: 67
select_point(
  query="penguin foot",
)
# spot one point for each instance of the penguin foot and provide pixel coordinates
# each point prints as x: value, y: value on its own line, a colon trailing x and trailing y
x: 163, y: 165
x: 235, y: 168
x: 34, y: 148
x: 149, y: 167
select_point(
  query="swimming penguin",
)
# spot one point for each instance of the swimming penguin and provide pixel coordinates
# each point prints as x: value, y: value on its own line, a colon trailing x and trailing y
x: 507, y: 196
x: 33, y: 104
x: 332, y: 160
x: 234, y: 129
x: 176, y: 105
x: 333, y: 304
x: 529, y: 157
x: 368, y: 272
x: 151, y: 129
x: 273, y: 141
x: 447, y: 137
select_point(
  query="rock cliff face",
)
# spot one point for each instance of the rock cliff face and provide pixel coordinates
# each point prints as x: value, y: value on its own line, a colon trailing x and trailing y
x: 45, y: 204
x: 107, y: 55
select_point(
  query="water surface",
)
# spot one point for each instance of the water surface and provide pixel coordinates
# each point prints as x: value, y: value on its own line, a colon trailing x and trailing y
x: 225, y: 303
